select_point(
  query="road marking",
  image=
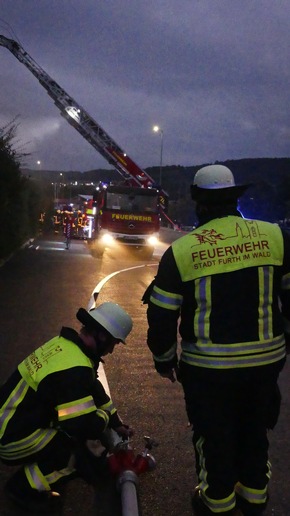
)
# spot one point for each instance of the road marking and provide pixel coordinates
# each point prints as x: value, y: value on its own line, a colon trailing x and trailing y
x: 92, y: 304
x: 97, y: 289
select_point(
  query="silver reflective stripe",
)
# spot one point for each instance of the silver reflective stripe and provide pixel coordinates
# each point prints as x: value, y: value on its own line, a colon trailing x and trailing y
x: 109, y: 406
x: 75, y: 409
x: 56, y: 475
x: 11, y: 404
x: 239, y: 348
x: 35, y: 478
x: 165, y: 299
x: 202, y: 313
x: 252, y: 495
x: 203, y: 471
x: 220, y: 506
x: 28, y: 445
x: 234, y: 355
x: 265, y: 321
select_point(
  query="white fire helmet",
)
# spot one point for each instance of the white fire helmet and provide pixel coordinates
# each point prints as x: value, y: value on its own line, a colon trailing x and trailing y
x: 110, y: 316
x: 214, y: 177
x: 214, y: 182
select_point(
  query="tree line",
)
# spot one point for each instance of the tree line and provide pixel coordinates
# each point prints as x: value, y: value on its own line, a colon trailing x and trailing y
x: 19, y: 197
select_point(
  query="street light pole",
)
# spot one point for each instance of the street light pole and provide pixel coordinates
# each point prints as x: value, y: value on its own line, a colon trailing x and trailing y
x: 157, y: 129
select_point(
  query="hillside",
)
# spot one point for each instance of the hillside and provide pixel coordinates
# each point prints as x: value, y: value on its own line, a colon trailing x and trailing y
x: 268, y: 198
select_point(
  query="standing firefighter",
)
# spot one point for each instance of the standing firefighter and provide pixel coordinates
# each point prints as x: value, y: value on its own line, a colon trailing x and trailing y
x: 53, y: 405
x: 229, y: 282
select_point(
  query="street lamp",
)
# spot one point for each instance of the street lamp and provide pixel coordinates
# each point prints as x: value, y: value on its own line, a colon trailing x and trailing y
x: 157, y: 129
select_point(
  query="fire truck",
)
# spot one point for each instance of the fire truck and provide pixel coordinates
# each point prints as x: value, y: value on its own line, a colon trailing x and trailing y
x: 128, y: 214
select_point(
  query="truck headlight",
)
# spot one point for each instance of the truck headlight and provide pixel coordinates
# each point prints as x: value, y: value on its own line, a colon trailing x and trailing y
x: 152, y: 240
x: 107, y: 239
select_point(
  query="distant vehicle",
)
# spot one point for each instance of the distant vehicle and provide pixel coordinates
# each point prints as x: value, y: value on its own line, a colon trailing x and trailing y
x: 124, y: 215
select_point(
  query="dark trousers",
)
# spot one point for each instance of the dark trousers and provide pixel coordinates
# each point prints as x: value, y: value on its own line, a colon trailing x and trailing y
x: 230, y: 423
x: 52, y: 458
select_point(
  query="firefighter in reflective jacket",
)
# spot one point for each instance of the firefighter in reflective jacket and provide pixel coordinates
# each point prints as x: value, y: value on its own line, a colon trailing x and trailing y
x: 53, y: 405
x: 229, y: 283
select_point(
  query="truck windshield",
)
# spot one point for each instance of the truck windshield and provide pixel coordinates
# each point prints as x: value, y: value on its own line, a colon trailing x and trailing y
x: 131, y: 202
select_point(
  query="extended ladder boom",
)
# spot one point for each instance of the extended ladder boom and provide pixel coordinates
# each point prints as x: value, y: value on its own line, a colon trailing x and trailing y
x: 83, y: 122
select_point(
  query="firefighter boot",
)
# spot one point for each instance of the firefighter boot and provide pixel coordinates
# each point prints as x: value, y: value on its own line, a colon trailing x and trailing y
x: 200, y: 509
x: 32, y: 501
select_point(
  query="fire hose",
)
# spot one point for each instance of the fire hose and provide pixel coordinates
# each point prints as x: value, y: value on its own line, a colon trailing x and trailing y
x: 127, y: 467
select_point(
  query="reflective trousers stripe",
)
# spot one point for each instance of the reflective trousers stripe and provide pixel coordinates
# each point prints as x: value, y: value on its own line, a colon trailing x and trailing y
x: 35, y: 478
x: 215, y: 505
x: 254, y: 496
x: 57, y: 475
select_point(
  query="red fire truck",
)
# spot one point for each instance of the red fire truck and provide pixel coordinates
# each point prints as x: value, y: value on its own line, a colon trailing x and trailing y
x: 123, y: 215
x: 131, y: 213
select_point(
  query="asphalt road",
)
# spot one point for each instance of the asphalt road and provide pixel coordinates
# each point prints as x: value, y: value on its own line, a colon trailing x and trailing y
x: 41, y: 288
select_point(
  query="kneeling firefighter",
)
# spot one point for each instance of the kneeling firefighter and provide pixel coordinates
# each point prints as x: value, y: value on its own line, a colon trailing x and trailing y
x: 226, y: 288
x: 54, y: 404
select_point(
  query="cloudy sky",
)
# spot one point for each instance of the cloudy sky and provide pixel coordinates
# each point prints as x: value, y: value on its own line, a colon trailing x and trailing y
x: 213, y: 74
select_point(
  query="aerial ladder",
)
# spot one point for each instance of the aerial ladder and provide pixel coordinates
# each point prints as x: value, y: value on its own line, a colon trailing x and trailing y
x: 78, y: 118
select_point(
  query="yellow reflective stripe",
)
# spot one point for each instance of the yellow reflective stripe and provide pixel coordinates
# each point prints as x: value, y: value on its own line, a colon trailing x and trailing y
x: 76, y: 408
x: 35, y: 478
x: 103, y: 415
x: 203, y: 471
x: 165, y: 299
x: 223, y: 362
x: 56, y: 475
x: 169, y: 355
x: 220, y: 505
x: 233, y: 350
x: 265, y: 321
x: 202, y: 313
x: 109, y: 407
x: 254, y: 496
x: 215, y: 505
x: 8, y: 409
x: 32, y: 443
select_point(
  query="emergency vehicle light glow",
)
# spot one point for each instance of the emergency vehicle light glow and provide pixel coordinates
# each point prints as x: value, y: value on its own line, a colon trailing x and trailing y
x: 152, y: 240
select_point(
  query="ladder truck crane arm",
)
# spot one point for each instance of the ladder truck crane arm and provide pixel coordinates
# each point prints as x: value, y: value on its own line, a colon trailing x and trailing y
x: 79, y: 118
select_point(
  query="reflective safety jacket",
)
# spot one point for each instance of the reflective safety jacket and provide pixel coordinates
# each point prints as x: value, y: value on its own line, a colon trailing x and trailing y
x: 229, y: 282
x: 54, y: 388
